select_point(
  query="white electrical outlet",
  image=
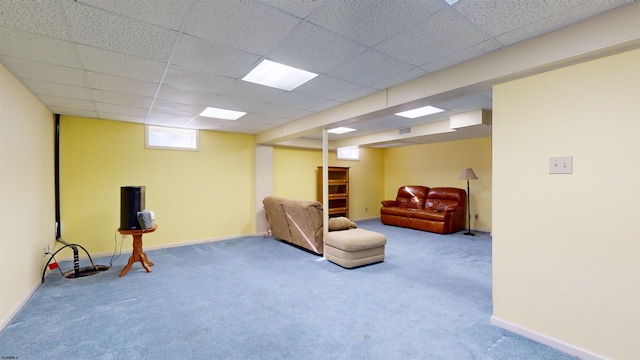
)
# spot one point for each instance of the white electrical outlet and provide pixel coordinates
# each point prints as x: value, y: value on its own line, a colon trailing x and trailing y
x: 561, y: 165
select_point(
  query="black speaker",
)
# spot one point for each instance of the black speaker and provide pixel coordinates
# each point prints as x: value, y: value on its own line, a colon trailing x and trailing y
x: 131, y: 201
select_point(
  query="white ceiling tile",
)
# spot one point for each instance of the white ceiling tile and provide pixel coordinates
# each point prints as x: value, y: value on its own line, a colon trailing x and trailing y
x: 247, y: 90
x: 26, y: 69
x: 58, y: 90
x: 196, y: 81
x: 60, y: 102
x: 72, y: 111
x: 112, y: 63
x: 439, y: 35
x: 556, y: 20
x: 171, y: 107
x: 120, y: 109
x: 183, y: 96
x: 365, y: 91
x: 300, y: 9
x: 327, y: 87
x: 114, y: 98
x: 369, y: 68
x: 165, y: 13
x: 280, y: 111
x: 24, y: 45
x: 412, y: 74
x: 373, y: 21
x: 315, y: 49
x: 225, y: 22
x: 198, y: 54
x: 167, y: 119
x: 235, y: 103
x: 462, y: 56
x: 120, y: 84
x: 121, y: 117
x: 298, y: 101
x: 38, y: 17
x: 106, y: 30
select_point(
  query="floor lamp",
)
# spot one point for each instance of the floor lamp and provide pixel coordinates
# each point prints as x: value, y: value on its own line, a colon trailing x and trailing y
x: 468, y: 174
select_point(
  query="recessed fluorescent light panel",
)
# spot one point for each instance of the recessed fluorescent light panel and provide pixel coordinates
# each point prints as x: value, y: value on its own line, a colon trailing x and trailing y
x: 340, y: 130
x: 423, y: 111
x: 451, y: 2
x: 279, y: 76
x: 222, y: 113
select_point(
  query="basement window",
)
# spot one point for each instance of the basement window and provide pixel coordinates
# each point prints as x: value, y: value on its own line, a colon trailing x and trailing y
x: 348, y: 153
x: 160, y: 137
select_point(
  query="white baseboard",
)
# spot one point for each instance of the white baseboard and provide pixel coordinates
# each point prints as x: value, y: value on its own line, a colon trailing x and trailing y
x: 546, y: 340
x: 5, y: 321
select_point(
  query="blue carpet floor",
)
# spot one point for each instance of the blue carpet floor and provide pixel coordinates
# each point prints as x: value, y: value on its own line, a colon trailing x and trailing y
x: 257, y: 298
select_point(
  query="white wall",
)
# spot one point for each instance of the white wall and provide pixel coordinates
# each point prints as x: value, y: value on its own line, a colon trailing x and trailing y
x: 27, y: 201
x: 566, y: 248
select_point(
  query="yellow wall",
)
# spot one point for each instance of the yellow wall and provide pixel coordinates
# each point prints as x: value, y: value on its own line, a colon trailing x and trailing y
x: 27, y: 206
x: 439, y: 165
x: 566, y: 248
x: 295, y: 176
x: 195, y: 195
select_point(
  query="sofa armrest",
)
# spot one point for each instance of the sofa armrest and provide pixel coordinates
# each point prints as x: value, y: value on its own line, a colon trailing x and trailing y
x: 389, y: 203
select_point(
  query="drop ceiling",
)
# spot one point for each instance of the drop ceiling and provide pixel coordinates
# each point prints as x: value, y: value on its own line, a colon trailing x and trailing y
x: 162, y: 62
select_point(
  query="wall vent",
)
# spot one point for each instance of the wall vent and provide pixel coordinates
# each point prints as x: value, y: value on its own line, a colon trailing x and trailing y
x: 405, y: 130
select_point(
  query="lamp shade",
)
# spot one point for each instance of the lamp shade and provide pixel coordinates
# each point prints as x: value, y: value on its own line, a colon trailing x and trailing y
x: 468, y: 174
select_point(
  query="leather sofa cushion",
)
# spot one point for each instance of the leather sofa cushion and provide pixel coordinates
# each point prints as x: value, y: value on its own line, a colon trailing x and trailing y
x: 412, y: 196
x: 397, y: 211
x: 427, y: 214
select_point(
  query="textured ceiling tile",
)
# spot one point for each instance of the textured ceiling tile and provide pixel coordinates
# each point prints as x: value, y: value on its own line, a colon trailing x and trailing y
x: 197, y: 81
x: 38, y: 17
x: 120, y: 84
x: 105, y: 30
x: 440, y: 35
x: 25, y: 45
x: 121, y: 117
x: 120, y: 109
x: 369, y: 68
x: 315, y: 49
x: 226, y: 22
x: 300, y: 9
x: 297, y: 100
x: 198, y: 54
x: 167, y: 119
x: 370, y: 22
x: 177, y: 108
x: 462, y: 56
x: 557, y: 20
x: 234, y: 103
x: 183, y: 96
x: 121, y: 99
x: 109, y: 62
x: 282, y: 111
x: 59, y: 102
x: 412, y: 74
x: 25, y: 69
x: 327, y: 87
x: 165, y: 13
x: 358, y: 94
x: 246, y: 90
x: 59, y: 90
x: 74, y: 112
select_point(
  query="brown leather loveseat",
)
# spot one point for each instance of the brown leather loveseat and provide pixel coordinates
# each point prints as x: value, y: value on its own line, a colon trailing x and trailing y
x: 440, y: 210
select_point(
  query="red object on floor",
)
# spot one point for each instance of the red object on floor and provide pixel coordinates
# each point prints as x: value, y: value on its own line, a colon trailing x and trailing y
x: 53, y: 265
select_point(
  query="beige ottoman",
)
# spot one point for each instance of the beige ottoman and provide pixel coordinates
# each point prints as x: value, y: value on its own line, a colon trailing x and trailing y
x: 353, y: 248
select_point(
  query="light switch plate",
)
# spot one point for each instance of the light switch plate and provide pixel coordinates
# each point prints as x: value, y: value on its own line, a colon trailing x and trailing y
x: 561, y: 165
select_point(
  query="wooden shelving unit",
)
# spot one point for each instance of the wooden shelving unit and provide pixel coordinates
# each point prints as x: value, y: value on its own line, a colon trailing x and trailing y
x: 338, y: 189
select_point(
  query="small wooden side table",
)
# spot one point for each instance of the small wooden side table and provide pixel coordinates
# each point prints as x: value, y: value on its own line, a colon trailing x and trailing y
x: 138, y: 255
